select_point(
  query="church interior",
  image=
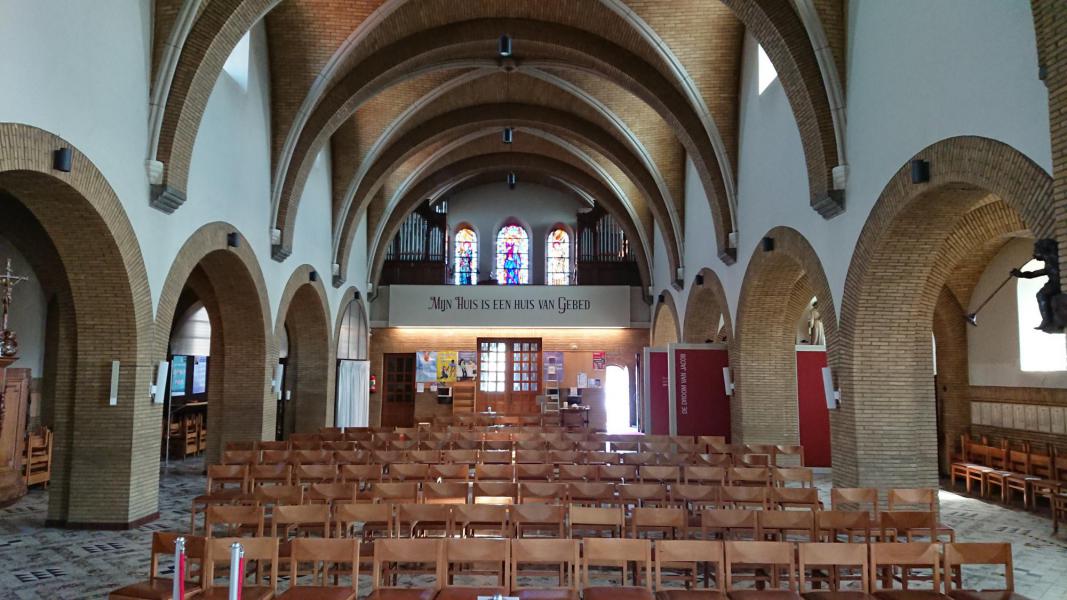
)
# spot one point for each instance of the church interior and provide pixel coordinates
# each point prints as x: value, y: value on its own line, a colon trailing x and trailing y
x: 533, y: 299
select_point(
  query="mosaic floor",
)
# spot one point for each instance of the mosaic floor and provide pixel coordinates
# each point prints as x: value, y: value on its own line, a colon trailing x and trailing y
x: 39, y: 562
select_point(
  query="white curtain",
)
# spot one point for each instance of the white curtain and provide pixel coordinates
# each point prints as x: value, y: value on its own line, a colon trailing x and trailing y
x: 353, y: 393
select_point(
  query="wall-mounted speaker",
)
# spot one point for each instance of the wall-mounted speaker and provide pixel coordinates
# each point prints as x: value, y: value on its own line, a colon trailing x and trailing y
x: 512, y: 181
x: 828, y: 388
x: 62, y: 159
x: 313, y: 276
x: 113, y: 393
x: 767, y: 244
x: 920, y: 171
x: 233, y: 239
x: 509, y: 135
x: 728, y: 381
x: 159, y: 390
x: 355, y: 295
x: 700, y: 280
x: 504, y: 47
x: 662, y: 298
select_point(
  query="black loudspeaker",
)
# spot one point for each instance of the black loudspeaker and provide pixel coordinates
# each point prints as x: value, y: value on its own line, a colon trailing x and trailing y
x: 313, y: 276
x: 62, y: 159
x: 920, y: 171
x: 504, y: 47
x: 509, y: 135
x: 700, y: 280
x: 512, y: 181
x: 233, y: 239
x: 662, y: 298
x: 355, y: 295
x: 767, y: 244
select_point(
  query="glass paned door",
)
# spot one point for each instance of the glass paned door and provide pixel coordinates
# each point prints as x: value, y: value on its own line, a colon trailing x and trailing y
x: 509, y: 374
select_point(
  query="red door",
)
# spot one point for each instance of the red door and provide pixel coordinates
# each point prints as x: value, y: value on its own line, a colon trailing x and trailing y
x: 811, y: 401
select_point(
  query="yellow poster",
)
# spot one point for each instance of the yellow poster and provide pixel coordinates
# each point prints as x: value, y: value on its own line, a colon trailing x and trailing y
x: 447, y: 366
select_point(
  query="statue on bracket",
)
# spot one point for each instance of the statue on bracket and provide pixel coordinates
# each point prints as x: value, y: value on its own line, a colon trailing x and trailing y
x: 1049, y: 299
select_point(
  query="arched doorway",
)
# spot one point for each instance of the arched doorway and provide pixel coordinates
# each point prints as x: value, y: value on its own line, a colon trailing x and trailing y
x: 617, y: 397
x: 223, y: 273
x: 307, y: 393
x: 353, y: 366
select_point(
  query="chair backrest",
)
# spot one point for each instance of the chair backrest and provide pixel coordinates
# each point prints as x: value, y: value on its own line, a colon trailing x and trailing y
x: 977, y: 553
x: 260, y: 549
x: 467, y: 456
x: 372, y: 517
x: 396, y: 492
x: 783, y: 497
x: 836, y: 557
x: 862, y: 499
x: 330, y: 493
x: 534, y: 471
x: 428, y: 457
x: 273, y: 457
x: 617, y: 473
x: 317, y: 473
x: 277, y: 495
x: 592, y: 492
x: 490, y: 556
x: 695, y: 497
x: 498, y: 457
x: 922, y: 555
x: 913, y: 498
x: 539, y: 517
x: 635, y: 494
x: 787, y: 525
x: 729, y: 524
x: 164, y: 543
x: 224, y: 476
x: 288, y: 520
x: 695, y: 555
x: 450, y: 472
x: 748, y: 475
x: 416, y: 520
x: 618, y: 553
x: 278, y: 474
x: 494, y: 472
x: 660, y: 474
x: 853, y: 524
x: 776, y: 555
x: 393, y: 556
x: 705, y: 474
x: 496, y: 491
x: 408, y: 472
x: 445, y: 492
x: 330, y: 555
x: 236, y: 518
x: 361, y: 474
x: 531, y: 551
x: 738, y: 496
x: 573, y: 472
x: 784, y: 476
x: 673, y: 523
x: 907, y: 525
x: 472, y: 518
x: 583, y: 518
x: 541, y: 491
x: 531, y: 456
x: 351, y: 457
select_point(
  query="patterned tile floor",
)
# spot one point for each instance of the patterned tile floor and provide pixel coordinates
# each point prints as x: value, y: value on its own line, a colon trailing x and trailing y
x: 40, y: 562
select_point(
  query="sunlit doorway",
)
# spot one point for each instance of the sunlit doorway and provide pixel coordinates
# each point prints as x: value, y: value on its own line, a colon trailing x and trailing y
x: 617, y: 399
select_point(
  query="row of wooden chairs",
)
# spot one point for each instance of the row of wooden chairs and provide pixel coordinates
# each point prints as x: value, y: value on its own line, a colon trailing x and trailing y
x: 566, y: 569
x: 1010, y: 468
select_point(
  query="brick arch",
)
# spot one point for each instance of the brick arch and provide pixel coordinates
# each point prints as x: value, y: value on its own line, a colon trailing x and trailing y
x: 979, y: 188
x: 243, y: 349
x: 53, y: 217
x: 311, y: 369
x: 490, y: 116
x: 665, y: 326
x: 454, y: 173
x: 354, y: 296
x: 778, y: 286
x: 707, y: 303
x: 447, y: 46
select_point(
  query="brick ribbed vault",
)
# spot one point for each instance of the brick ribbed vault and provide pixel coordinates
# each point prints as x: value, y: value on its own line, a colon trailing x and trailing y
x: 665, y: 326
x: 979, y: 190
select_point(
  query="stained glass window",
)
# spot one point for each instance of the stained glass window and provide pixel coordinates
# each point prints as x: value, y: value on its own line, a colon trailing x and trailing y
x: 466, y: 259
x: 512, y: 256
x: 558, y: 258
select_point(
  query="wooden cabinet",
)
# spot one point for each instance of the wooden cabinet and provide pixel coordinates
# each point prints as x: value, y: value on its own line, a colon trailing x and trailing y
x: 16, y: 386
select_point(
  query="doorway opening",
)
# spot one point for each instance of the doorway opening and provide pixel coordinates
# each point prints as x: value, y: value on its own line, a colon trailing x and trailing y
x: 617, y: 399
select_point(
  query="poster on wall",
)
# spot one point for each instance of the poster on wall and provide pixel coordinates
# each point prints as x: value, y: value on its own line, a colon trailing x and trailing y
x: 553, y: 365
x: 177, y: 375
x: 425, y: 367
x: 199, y: 374
x: 447, y: 366
x: 600, y: 361
x: 468, y: 366
x: 699, y: 404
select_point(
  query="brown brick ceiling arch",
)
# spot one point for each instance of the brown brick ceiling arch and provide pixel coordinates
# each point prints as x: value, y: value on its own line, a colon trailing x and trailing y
x: 304, y: 312
x: 979, y: 189
x: 243, y: 349
x: 475, y: 40
x: 495, y: 117
x: 706, y: 305
x: 665, y: 326
x: 103, y: 317
x: 441, y: 180
x: 777, y: 288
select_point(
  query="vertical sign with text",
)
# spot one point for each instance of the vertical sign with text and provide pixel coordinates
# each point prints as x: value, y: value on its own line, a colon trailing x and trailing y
x: 698, y: 392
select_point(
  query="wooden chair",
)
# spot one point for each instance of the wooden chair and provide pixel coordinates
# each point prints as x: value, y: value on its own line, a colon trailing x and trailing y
x: 803, y: 476
x: 772, y: 559
x: 956, y: 555
x: 691, y: 559
x: 670, y: 523
x: 424, y: 520
x: 534, y: 471
x: 705, y: 474
x: 593, y: 493
x: 364, y: 521
x: 639, y: 458
x: 460, y: 456
x: 264, y: 584
x: 288, y: 522
x: 495, y: 492
x: 495, y: 457
x: 37, y: 457
x: 583, y: 519
x: 237, y: 519
x: 832, y: 564
x: 407, y: 472
x: 562, y: 554
x: 450, y: 472
x: 239, y: 457
x: 908, y: 525
x: 632, y: 495
x: 616, y: 473
x: 749, y: 476
x: 311, y: 457
x: 160, y: 588
x: 923, y: 499
x: 445, y: 492
x: 574, y: 472
x: 274, y: 457
x: 396, y: 557
x: 831, y: 525
x: 427, y: 457
x: 494, y: 472
x: 712, y: 460
x: 332, y: 493
x: 858, y: 499
x: 531, y: 456
x: 729, y: 524
x: 893, y: 562
x: 548, y: 520
x: 466, y: 557
x: 481, y: 520
x: 784, y: 498
x: 793, y: 455
x: 272, y: 474
x: 540, y: 491
x: 316, y: 473
x: 387, y: 457
x: 786, y: 525
x: 734, y: 496
x: 395, y: 492
x: 362, y: 475
x: 618, y: 554
x: 661, y: 474
x: 602, y: 458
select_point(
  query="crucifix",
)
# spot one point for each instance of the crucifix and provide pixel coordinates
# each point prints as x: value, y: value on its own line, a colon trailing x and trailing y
x: 9, y: 345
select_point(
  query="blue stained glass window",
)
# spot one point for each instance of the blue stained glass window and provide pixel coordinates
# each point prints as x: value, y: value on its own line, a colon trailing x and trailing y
x: 466, y: 259
x: 512, y: 256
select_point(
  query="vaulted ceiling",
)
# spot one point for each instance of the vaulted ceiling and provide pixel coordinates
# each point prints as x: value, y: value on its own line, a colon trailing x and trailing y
x: 607, y: 98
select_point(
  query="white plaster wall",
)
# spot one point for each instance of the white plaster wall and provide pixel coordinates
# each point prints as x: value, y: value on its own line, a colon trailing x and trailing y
x: 29, y: 307
x: 993, y: 346
x: 488, y: 206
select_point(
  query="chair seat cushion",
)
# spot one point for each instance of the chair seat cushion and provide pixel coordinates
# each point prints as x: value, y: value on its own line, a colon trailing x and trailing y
x: 318, y: 592
x: 546, y: 594
x: 616, y: 593
x: 996, y: 595
x: 468, y: 593
x: 909, y: 595
x: 690, y: 595
x: 157, y: 588
x: 764, y: 595
x: 403, y: 594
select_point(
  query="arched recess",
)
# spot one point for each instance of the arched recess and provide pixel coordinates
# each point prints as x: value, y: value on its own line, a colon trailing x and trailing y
x: 705, y: 310
x: 433, y: 184
x: 228, y: 280
x: 665, y: 321
x: 913, y: 238
x: 311, y: 367
x: 778, y: 286
x: 105, y: 471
